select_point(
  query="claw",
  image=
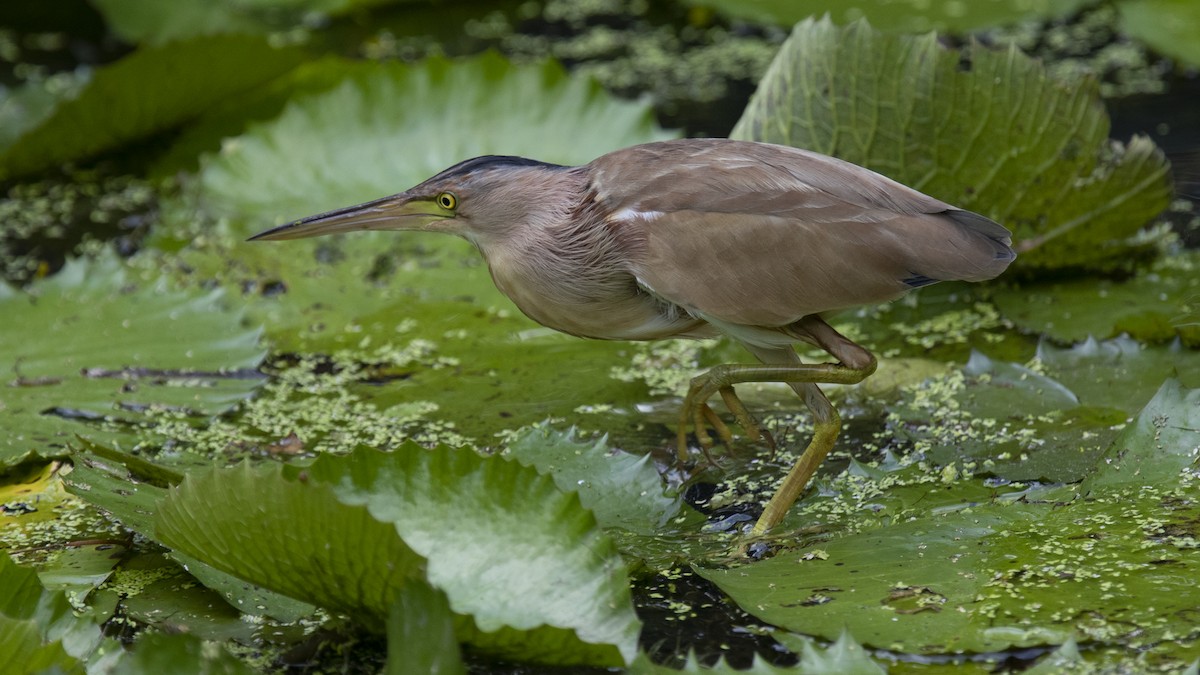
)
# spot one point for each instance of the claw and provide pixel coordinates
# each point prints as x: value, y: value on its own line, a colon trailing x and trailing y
x: 699, y: 416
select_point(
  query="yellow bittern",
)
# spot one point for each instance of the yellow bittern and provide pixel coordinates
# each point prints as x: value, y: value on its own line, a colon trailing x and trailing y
x: 696, y: 238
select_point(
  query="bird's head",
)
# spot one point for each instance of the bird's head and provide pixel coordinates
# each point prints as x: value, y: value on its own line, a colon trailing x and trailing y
x: 477, y: 199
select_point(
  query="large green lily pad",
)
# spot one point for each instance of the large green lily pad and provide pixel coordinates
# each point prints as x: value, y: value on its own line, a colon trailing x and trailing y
x: 1168, y: 26
x: 93, y: 350
x: 155, y: 23
x: 39, y: 629
x: 1110, y: 561
x: 252, y: 523
x: 510, y: 550
x: 1158, y: 305
x: 622, y: 490
x: 900, y: 16
x: 148, y: 92
x: 349, y: 533
x: 999, y: 137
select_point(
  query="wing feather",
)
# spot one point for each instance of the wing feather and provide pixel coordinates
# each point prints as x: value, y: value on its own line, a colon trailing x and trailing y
x: 763, y: 235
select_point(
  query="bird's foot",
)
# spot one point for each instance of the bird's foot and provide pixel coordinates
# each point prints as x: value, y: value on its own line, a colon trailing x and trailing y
x: 699, y: 416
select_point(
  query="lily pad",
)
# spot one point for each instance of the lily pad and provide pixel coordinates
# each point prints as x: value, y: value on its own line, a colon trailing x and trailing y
x: 155, y: 23
x: 39, y: 629
x: 1048, y: 421
x: 1015, y: 145
x: 900, y: 16
x: 509, y: 549
x: 1157, y: 305
x: 1111, y: 561
x: 1168, y: 26
x: 1161, y: 448
x: 154, y: 653
x: 133, y: 500
x: 1119, y: 373
x: 622, y: 490
x: 421, y: 633
x: 92, y: 350
x: 117, y: 105
x: 290, y: 536
x: 386, y: 129
x: 453, y: 517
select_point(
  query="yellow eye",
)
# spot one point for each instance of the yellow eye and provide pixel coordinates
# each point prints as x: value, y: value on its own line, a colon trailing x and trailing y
x: 447, y: 201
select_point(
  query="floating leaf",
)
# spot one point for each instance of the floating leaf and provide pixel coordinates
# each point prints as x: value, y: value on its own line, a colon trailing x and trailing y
x: 386, y: 129
x: 1112, y: 561
x: 1119, y: 373
x: 622, y: 490
x: 155, y: 23
x: 111, y: 487
x: 155, y: 653
x: 900, y: 16
x: 508, y: 548
x: 39, y: 630
x: 150, y: 91
x: 996, y: 135
x: 289, y: 536
x: 1048, y: 424
x: 1157, y: 305
x: 1168, y: 26
x: 94, y: 345
x: 421, y: 633
x: 523, y: 561
x: 1161, y: 444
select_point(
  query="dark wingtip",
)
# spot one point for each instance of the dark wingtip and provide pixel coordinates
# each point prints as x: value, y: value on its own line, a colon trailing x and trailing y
x: 919, y: 280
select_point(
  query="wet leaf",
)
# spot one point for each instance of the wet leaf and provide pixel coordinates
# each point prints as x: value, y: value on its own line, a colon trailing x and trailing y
x: 1157, y: 305
x: 156, y: 23
x: 80, y: 568
x: 1046, y: 421
x: 420, y: 632
x: 93, y: 351
x: 39, y: 630
x: 110, y: 486
x: 1160, y: 445
x: 1015, y: 145
x: 1119, y: 373
x: 622, y: 490
x: 903, y: 16
x: 526, y: 562
x: 1111, y: 561
x: 1168, y: 26
x: 117, y: 105
x: 386, y: 129
x: 155, y: 653
x: 452, y: 517
x: 159, y: 593
x: 290, y: 536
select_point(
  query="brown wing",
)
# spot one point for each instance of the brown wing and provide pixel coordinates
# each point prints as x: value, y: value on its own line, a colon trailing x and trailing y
x: 762, y: 235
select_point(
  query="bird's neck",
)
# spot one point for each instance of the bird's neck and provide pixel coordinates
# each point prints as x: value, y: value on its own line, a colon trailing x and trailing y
x: 562, y: 260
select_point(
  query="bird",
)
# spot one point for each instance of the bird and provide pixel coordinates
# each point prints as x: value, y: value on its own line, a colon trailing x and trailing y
x: 699, y: 238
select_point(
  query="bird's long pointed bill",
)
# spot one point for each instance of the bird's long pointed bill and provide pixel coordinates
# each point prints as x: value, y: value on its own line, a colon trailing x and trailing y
x: 398, y: 212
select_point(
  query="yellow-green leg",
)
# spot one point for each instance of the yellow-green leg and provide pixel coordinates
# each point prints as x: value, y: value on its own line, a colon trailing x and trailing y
x: 782, y: 365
